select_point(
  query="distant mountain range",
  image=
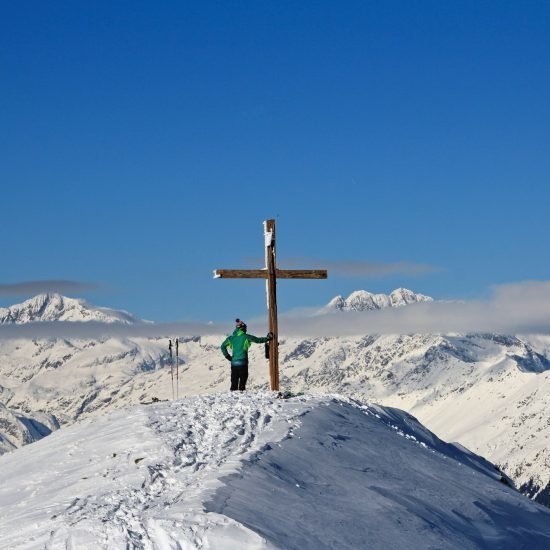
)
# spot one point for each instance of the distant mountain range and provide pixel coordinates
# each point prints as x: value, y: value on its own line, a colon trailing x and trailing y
x: 55, y: 307
x: 489, y: 392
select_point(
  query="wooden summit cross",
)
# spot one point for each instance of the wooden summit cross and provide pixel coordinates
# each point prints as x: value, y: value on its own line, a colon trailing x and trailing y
x: 271, y: 274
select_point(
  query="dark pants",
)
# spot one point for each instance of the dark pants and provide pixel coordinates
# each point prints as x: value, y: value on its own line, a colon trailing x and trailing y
x: 239, y: 376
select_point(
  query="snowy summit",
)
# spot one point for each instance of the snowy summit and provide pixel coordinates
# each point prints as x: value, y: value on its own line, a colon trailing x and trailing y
x: 54, y: 307
x: 252, y: 471
x: 362, y: 300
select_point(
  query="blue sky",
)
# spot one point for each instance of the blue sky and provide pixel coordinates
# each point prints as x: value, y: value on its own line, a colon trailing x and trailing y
x: 143, y: 144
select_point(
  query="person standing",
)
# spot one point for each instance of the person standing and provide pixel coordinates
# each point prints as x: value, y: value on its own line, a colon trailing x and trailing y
x: 240, y: 342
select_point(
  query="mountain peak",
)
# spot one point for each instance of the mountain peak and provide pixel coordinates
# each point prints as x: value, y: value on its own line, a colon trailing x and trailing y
x: 362, y: 300
x: 55, y: 307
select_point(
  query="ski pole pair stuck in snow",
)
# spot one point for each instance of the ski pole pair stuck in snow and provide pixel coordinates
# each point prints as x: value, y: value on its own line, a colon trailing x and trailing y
x: 170, y: 347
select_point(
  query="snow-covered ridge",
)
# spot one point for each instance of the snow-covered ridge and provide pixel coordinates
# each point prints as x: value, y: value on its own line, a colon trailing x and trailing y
x: 362, y: 300
x: 54, y: 307
x: 222, y: 471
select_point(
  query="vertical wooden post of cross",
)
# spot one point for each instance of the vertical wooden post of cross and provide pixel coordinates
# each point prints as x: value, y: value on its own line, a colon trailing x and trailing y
x: 271, y: 267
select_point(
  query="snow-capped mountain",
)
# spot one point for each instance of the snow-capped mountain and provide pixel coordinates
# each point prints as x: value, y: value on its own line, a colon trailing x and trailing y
x: 362, y: 300
x: 489, y: 392
x: 236, y: 471
x: 54, y: 307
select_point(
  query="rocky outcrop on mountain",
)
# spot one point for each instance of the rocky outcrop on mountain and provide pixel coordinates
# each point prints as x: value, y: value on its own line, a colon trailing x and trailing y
x: 19, y: 428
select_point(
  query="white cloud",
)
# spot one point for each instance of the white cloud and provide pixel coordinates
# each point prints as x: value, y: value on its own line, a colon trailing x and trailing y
x: 97, y: 330
x: 513, y: 309
x: 352, y: 268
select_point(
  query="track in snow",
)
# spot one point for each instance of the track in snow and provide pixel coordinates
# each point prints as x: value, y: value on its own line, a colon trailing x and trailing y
x: 199, y: 439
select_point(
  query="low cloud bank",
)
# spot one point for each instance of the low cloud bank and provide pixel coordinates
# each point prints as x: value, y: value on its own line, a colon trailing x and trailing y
x: 94, y: 330
x: 352, y: 268
x: 40, y: 287
x: 521, y: 308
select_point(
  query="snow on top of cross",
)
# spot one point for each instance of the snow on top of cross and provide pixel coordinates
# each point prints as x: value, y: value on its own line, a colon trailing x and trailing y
x: 55, y: 307
x: 236, y: 470
x: 362, y: 300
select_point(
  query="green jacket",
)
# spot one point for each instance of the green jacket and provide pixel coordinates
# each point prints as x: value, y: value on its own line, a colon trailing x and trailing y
x: 239, y: 342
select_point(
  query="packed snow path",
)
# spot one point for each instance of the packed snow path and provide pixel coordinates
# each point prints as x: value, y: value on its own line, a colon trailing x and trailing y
x: 137, y: 477
x: 252, y: 471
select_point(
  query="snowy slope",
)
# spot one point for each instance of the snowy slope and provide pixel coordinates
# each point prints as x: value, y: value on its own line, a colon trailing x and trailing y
x: 252, y: 471
x: 490, y: 393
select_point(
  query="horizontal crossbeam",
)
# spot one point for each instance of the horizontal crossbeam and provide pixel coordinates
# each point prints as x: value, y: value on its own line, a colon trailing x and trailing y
x: 262, y: 274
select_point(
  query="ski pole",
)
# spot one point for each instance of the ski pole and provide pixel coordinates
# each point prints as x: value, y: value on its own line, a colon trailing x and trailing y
x: 171, y: 366
x: 177, y: 370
